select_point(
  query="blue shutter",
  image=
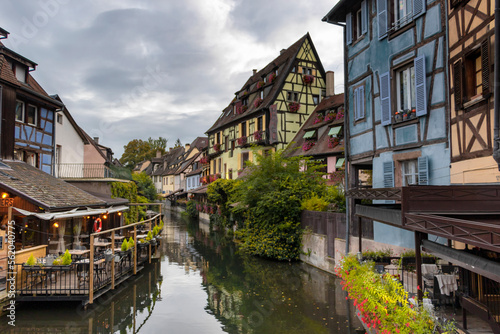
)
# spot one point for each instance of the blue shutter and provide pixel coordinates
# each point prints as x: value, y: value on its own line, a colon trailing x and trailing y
x: 388, y: 174
x: 423, y: 171
x: 420, y: 89
x: 385, y: 98
x: 361, y: 96
x: 418, y: 8
x: 348, y: 28
x: 355, y: 99
x: 382, y: 18
x: 364, y: 17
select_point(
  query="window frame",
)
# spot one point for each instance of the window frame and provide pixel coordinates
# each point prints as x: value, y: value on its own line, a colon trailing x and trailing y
x: 411, y: 94
x: 35, y: 116
x: 23, y: 111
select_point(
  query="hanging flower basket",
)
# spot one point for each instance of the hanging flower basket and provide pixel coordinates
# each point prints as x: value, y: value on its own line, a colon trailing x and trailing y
x: 318, y: 119
x: 332, y: 142
x: 260, y: 84
x: 217, y: 147
x: 294, y: 106
x: 330, y: 116
x: 257, y: 135
x: 242, y: 141
x: 308, y: 145
x: 272, y: 77
x: 307, y: 79
x: 257, y: 102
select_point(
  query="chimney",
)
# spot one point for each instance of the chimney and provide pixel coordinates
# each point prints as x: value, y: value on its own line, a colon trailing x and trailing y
x: 96, y: 139
x: 254, y: 71
x: 158, y: 153
x: 187, y: 147
x: 330, y: 83
x: 282, y: 50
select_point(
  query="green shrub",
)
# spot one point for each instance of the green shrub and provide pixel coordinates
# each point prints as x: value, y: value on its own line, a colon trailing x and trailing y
x: 149, y: 236
x: 124, y: 245
x: 191, y: 209
x: 66, y: 258
x: 377, y: 255
x: 336, y: 196
x: 130, y: 242
x: 31, y: 260
x: 315, y: 203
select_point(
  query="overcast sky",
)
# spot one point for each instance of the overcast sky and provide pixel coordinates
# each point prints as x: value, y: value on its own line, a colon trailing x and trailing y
x: 132, y: 69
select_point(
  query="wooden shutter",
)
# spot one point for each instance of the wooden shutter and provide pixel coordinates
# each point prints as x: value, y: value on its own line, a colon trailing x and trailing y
x: 356, y: 103
x: 457, y: 84
x: 423, y: 171
x: 418, y: 8
x: 485, y: 63
x: 420, y: 86
x: 388, y: 174
x: 364, y: 17
x: 361, y: 98
x: 382, y: 18
x: 348, y: 28
x: 385, y: 98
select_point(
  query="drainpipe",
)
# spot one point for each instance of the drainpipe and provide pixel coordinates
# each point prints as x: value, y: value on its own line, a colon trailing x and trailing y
x: 496, y: 94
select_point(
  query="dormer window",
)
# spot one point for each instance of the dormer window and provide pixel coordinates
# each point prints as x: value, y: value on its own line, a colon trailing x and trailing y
x: 312, y: 134
x: 20, y: 72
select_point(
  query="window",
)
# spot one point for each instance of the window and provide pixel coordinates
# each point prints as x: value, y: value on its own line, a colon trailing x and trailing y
x: 19, y: 111
x: 359, y: 103
x: 259, y: 123
x: 316, y: 99
x: 31, y: 114
x: 402, y: 12
x: 397, y: 13
x: 357, y: 25
x: 409, y: 171
x: 31, y: 159
x: 20, y: 72
x: 292, y: 96
x: 405, y: 86
x: 244, y: 129
x: 306, y: 70
x: 261, y: 94
x: 59, y: 119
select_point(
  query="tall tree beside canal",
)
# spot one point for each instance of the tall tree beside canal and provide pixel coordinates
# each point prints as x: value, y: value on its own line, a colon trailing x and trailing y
x: 138, y: 150
x: 271, y: 195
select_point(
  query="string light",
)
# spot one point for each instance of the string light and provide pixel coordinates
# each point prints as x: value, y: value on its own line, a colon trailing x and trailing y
x: 5, y: 195
x: 56, y: 225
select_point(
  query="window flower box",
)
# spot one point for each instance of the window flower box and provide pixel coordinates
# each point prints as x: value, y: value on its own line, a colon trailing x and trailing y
x: 318, y: 119
x: 294, y: 106
x: 340, y: 115
x: 330, y: 116
x: 257, y: 135
x: 241, y: 109
x: 272, y: 77
x: 242, y: 141
x: 307, y: 79
x: 333, y: 141
x: 205, y: 160
x: 260, y: 84
x: 257, y: 102
x: 308, y: 145
x: 217, y: 147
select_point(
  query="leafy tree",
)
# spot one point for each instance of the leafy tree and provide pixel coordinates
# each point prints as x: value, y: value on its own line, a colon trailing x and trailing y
x: 220, y: 192
x: 271, y: 195
x: 145, y: 186
x: 177, y: 143
x: 138, y: 150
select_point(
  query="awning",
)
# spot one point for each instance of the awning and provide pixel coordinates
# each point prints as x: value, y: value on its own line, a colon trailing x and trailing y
x: 340, y: 163
x: 334, y: 131
x: 309, y: 134
x: 72, y: 213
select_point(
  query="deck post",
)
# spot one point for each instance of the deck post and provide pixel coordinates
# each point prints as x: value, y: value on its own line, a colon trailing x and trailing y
x: 149, y: 248
x: 113, y: 260
x: 135, y: 250
x: 91, y: 270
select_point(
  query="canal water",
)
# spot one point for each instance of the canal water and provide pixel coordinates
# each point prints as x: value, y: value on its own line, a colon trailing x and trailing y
x: 202, y: 284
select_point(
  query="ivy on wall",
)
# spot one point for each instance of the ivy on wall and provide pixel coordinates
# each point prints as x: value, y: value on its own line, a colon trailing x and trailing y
x: 127, y: 190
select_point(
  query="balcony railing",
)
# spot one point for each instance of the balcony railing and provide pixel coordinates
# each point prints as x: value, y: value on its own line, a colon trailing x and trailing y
x: 81, y: 171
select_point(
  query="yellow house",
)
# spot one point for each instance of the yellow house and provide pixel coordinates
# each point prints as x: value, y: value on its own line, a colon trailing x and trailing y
x: 470, y: 42
x: 268, y: 110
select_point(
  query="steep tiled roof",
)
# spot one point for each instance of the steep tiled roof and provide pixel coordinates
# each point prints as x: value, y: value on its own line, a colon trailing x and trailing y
x: 283, y: 63
x: 321, y: 147
x: 43, y: 189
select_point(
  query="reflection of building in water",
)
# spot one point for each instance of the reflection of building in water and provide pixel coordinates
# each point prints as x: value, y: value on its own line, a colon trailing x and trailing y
x: 226, y: 305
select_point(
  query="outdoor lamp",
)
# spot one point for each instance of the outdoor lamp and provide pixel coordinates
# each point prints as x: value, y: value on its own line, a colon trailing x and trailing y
x: 56, y: 225
x: 5, y: 195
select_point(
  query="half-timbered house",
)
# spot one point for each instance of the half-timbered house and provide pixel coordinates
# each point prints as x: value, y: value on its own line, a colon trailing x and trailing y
x: 269, y: 109
x: 27, y: 111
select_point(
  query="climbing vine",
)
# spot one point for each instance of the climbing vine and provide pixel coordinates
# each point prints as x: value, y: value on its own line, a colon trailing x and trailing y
x: 128, y: 190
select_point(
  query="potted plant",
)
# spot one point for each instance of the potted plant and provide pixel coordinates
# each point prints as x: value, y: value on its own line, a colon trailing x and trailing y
x: 257, y: 135
x: 32, y: 264
x: 294, y: 106
x: 260, y: 84
x: 242, y: 141
x: 272, y: 77
x: 398, y: 117
x: 333, y: 141
x: 330, y: 116
x: 308, y: 145
x: 413, y: 114
x: 217, y: 147
x: 318, y: 119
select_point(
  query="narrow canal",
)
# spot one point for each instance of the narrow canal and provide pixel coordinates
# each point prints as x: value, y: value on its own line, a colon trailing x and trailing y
x: 202, y: 285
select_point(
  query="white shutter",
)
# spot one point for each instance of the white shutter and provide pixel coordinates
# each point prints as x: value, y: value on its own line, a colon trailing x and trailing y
x: 382, y: 18
x: 418, y: 8
x: 348, y: 28
x: 420, y: 89
x: 364, y: 17
x: 385, y: 98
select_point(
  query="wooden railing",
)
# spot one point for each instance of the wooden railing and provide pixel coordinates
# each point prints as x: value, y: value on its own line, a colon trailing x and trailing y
x: 375, y: 193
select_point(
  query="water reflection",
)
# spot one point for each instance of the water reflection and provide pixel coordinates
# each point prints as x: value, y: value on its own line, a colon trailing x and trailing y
x: 202, y: 285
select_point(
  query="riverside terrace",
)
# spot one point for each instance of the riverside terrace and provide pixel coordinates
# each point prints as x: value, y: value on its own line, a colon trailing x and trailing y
x: 92, y: 272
